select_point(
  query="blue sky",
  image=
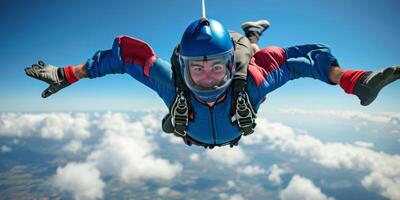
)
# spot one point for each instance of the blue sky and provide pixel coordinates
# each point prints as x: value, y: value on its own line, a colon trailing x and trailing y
x: 361, y: 35
x: 310, y: 137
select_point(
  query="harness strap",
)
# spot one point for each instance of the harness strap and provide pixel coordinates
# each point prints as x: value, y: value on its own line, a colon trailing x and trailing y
x: 180, y: 114
x: 244, y: 114
x: 181, y: 108
x: 189, y: 141
x: 242, y: 109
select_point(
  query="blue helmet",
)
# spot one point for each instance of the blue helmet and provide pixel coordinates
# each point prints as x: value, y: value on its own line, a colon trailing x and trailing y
x: 207, y: 59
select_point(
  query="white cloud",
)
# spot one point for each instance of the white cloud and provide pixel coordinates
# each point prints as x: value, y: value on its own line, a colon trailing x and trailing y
x: 45, y: 125
x: 236, y: 197
x: 163, y: 191
x: 395, y: 120
x: 364, y: 144
x: 386, y: 118
x: 5, y: 149
x: 275, y: 174
x: 126, y: 149
x: 302, y: 188
x: 131, y: 151
x: 176, y: 140
x: 332, y: 155
x: 73, y: 146
x: 231, y: 184
x: 172, y: 139
x: 81, y: 179
x: 389, y: 188
x: 225, y: 196
x: 194, y: 157
x: 226, y: 155
x: 268, y: 131
x: 151, y: 123
x: 251, y: 170
x: 168, y: 193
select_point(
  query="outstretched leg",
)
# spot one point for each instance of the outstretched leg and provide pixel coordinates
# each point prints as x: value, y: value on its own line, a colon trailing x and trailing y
x: 366, y: 85
x: 281, y: 65
x: 253, y: 31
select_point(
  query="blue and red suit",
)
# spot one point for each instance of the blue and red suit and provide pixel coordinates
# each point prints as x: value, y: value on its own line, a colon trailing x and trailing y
x: 269, y: 69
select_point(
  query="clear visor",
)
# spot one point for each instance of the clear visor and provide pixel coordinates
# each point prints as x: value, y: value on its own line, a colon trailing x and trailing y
x: 208, y: 73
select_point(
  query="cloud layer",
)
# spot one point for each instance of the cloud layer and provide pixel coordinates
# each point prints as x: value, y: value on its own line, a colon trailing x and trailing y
x: 385, y: 118
x: 275, y: 174
x: 302, y: 188
x: 5, y: 149
x: 250, y: 170
x: 131, y: 150
x: 227, y: 156
x: 127, y: 151
x: 46, y: 125
x: 81, y: 179
x: 383, y: 169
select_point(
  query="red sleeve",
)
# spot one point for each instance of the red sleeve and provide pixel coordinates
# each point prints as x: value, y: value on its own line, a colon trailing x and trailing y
x: 265, y: 61
x: 136, y: 51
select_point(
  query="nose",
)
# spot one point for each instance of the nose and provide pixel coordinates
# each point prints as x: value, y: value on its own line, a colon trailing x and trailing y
x: 208, y: 80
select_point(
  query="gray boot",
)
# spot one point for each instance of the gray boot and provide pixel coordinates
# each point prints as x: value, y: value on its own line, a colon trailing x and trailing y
x: 369, y: 84
x: 259, y: 26
x: 253, y: 30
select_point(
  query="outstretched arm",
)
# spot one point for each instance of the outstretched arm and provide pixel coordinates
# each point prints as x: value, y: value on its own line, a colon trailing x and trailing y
x: 128, y: 55
x: 136, y: 58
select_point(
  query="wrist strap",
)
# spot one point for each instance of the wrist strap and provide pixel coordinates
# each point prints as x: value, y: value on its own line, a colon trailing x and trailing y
x: 70, y: 74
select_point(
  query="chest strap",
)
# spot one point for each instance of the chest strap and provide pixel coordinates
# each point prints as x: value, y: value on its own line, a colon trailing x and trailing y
x: 180, y: 114
x: 244, y: 114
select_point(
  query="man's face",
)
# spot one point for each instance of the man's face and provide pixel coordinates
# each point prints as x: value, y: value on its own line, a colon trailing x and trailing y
x: 207, y: 74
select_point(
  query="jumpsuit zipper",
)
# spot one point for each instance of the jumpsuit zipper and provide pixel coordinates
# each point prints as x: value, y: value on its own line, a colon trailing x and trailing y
x: 211, y: 109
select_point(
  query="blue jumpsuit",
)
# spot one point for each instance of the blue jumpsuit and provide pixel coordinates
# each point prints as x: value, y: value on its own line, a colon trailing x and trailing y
x: 269, y: 69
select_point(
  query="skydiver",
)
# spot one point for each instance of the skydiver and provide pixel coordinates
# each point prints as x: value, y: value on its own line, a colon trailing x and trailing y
x: 217, y: 82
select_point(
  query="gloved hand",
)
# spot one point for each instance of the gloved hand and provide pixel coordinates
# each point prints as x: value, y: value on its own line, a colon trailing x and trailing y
x: 52, y: 75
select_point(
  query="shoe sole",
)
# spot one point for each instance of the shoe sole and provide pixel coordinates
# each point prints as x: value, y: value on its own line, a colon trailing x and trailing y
x: 264, y: 23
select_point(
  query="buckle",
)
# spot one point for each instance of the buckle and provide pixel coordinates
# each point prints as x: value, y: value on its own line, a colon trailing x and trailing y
x: 180, y: 115
x: 245, y: 114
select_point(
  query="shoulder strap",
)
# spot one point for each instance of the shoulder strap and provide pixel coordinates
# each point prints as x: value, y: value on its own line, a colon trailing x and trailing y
x: 242, y: 109
x: 243, y: 112
x: 175, y: 65
x: 181, y: 108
